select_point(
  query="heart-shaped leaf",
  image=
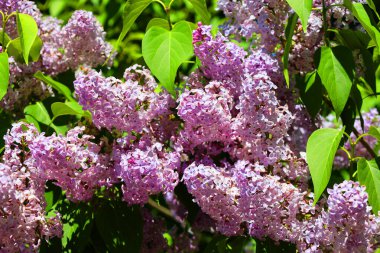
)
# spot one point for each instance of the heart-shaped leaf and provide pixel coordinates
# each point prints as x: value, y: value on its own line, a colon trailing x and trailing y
x: 164, y: 51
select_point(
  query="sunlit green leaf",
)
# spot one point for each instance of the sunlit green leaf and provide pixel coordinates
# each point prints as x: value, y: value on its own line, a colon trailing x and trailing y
x: 320, y: 152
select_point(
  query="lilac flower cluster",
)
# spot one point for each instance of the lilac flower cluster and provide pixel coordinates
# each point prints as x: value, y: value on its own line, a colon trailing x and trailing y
x: 245, y: 198
x: 23, y: 223
x: 126, y: 106
x: 268, y: 18
x: 146, y: 171
x: 231, y: 106
x: 80, y: 42
x: 347, y: 226
x: 73, y: 162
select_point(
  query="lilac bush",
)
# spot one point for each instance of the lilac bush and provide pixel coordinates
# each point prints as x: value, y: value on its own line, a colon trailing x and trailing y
x: 237, y: 151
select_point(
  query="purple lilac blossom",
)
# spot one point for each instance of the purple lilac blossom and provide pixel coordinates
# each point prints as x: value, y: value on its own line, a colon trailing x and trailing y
x: 73, y: 162
x: 23, y: 223
x: 125, y: 106
x: 145, y: 171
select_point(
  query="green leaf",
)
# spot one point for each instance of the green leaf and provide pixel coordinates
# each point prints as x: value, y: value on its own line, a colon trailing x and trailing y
x: 352, y: 39
x: 68, y: 108
x: 38, y: 112
x: 335, y: 67
x: 369, y: 175
x: 200, y: 8
x: 36, y: 49
x: 60, y: 109
x: 320, y: 152
x: 160, y: 22
x: 6, y: 38
x: 289, y: 31
x: 14, y: 49
x: 29, y: 119
x: 61, y: 88
x: 375, y: 132
x: 310, y: 88
x: 362, y: 16
x: 303, y: 10
x: 132, y: 10
x: 28, y: 30
x: 4, y: 74
x: 164, y: 51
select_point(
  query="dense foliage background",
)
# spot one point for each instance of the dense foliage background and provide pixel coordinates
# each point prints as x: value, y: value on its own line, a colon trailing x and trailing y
x: 247, y: 126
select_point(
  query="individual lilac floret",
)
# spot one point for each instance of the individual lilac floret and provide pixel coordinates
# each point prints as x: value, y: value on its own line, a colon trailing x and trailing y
x: 146, y: 171
x: 73, y: 162
x: 125, y: 106
x: 207, y: 116
x: 217, y: 194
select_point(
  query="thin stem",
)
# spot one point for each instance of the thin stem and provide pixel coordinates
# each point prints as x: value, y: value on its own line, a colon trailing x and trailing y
x: 349, y: 138
x: 168, y: 16
x: 365, y: 144
x: 360, y: 137
x: 170, y: 4
x: 163, y: 210
x: 348, y: 153
x: 160, y: 2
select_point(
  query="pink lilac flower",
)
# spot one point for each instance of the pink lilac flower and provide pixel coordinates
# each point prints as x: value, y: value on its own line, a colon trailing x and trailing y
x: 73, y: 162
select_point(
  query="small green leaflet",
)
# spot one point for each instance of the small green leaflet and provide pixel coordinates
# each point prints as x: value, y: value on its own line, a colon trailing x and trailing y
x: 4, y: 74
x: 39, y: 113
x: 320, y: 152
x: 335, y: 68
x: 68, y: 108
x: 289, y: 31
x: 369, y: 175
x: 375, y: 132
x: 164, y: 51
x: 303, y: 10
x: 28, y: 31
